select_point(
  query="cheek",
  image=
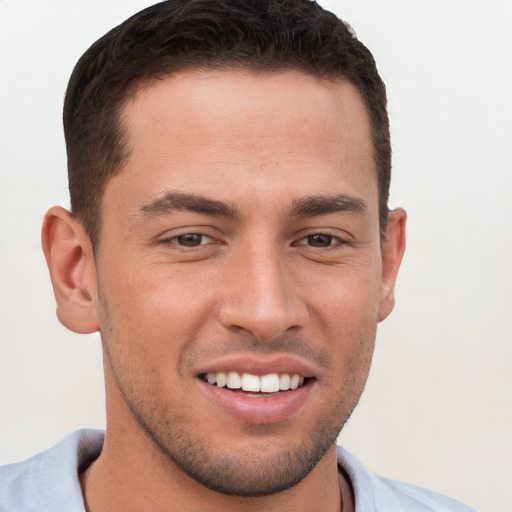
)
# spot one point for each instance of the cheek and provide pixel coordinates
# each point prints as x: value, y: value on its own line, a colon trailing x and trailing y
x: 152, y: 320
x: 346, y: 315
x: 346, y: 298
x: 152, y: 301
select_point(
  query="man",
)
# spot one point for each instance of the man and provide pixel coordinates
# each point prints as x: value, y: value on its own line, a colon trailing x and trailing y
x: 229, y: 167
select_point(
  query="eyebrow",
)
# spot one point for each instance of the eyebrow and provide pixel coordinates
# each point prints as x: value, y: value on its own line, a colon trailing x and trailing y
x: 324, y: 205
x: 180, y: 201
x: 305, y: 207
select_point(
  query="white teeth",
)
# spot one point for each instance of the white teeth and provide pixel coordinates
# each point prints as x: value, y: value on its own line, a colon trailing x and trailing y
x: 221, y: 379
x: 234, y: 381
x: 284, y: 382
x: 251, y: 382
x: 270, y: 383
x: 294, y: 382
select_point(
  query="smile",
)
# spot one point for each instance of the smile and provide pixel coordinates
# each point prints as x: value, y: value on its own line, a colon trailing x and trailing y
x: 258, y: 390
x: 269, y: 383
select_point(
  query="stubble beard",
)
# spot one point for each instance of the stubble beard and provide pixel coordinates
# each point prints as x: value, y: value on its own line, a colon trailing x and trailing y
x: 243, y: 472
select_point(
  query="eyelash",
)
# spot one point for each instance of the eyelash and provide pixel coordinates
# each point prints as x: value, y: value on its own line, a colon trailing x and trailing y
x: 175, y: 240
x: 333, y: 241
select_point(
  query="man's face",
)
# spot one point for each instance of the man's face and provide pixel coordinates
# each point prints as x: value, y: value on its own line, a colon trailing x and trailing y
x: 240, y: 243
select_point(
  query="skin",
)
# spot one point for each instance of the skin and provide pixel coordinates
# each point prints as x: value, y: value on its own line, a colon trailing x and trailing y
x: 268, y: 278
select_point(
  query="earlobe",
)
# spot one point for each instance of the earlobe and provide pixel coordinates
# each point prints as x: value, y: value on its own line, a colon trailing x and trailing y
x: 70, y: 259
x: 393, y: 248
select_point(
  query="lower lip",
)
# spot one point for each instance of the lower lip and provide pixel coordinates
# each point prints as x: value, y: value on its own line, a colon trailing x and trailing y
x: 259, y: 409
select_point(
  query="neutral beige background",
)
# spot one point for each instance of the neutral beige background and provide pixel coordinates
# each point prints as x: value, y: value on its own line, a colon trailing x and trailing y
x: 438, y: 406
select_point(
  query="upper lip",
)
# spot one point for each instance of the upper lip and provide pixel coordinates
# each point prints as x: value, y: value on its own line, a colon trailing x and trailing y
x: 259, y: 365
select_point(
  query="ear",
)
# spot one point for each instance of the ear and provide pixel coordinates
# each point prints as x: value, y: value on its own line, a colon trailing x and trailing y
x: 393, y: 248
x: 69, y: 255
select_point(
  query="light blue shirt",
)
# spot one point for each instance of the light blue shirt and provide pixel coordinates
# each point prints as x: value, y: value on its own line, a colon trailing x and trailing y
x: 48, y: 482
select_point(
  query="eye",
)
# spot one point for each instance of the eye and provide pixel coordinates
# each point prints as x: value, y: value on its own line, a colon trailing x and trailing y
x: 319, y: 240
x: 191, y: 239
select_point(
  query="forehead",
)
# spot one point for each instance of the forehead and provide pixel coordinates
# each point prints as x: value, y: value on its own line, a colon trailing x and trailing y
x: 226, y: 132
x: 220, y: 102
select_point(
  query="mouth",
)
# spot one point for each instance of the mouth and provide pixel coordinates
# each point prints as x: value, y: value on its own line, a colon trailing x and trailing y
x: 259, y: 390
x: 255, y: 385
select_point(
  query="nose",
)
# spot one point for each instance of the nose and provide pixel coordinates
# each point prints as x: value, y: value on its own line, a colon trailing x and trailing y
x: 261, y: 296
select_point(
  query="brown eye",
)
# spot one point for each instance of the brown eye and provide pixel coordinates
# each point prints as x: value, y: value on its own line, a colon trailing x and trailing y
x: 319, y: 240
x: 190, y: 240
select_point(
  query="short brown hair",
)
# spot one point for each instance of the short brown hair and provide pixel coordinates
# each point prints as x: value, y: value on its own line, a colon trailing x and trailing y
x: 179, y: 34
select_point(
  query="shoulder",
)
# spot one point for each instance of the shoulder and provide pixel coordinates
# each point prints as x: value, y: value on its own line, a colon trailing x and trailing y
x: 376, y: 494
x: 49, y: 480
